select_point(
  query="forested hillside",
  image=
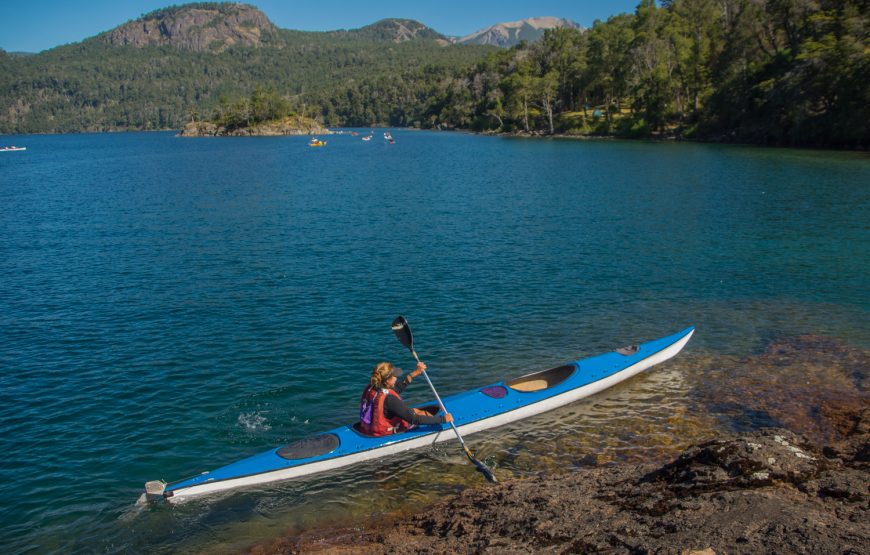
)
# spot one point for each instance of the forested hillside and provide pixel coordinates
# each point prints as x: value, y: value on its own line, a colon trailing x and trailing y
x: 103, y: 84
x: 790, y: 72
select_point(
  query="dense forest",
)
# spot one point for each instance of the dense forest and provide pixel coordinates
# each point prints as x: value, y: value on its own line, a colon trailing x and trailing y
x: 790, y: 72
x: 97, y: 86
x: 786, y: 72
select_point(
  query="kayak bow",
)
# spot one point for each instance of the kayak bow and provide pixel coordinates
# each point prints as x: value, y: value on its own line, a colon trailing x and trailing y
x: 473, y: 411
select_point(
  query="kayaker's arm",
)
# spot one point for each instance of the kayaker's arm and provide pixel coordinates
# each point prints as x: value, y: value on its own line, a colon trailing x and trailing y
x: 406, y: 381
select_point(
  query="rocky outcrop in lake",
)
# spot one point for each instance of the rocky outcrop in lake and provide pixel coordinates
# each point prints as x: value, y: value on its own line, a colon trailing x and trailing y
x: 292, y: 125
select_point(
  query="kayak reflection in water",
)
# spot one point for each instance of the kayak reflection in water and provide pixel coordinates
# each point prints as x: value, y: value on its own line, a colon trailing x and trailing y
x: 381, y: 409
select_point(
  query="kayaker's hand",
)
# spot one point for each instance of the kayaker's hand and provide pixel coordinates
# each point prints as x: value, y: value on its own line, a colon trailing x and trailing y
x: 419, y: 370
x: 448, y: 418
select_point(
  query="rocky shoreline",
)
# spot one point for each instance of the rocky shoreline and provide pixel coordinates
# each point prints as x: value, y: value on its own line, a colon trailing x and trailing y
x: 800, y: 487
x: 768, y: 491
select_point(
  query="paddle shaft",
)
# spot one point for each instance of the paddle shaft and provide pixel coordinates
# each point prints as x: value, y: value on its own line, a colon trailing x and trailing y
x: 441, y: 404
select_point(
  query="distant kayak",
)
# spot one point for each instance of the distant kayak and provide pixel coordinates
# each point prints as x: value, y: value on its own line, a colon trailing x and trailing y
x: 367, y: 138
x: 473, y: 411
x: 12, y: 148
x: 317, y: 142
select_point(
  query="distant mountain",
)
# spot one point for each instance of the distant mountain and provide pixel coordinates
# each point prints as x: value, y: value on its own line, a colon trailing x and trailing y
x: 398, y: 30
x: 201, y: 27
x: 511, y: 33
x: 214, y: 27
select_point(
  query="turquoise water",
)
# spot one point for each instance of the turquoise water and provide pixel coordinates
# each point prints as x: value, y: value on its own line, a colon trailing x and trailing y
x: 170, y: 305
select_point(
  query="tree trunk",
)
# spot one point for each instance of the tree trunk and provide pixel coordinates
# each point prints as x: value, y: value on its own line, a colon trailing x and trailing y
x: 526, y: 113
x: 548, y: 105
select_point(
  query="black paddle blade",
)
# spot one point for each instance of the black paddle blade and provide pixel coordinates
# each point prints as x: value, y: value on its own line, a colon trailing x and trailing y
x: 483, y: 469
x: 479, y: 466
x: 403, y: 332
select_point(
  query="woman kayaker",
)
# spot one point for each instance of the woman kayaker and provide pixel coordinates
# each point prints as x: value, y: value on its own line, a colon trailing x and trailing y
x: 381, y: 409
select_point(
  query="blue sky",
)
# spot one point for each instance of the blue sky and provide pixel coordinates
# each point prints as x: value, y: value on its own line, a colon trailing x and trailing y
x: 35, y: 25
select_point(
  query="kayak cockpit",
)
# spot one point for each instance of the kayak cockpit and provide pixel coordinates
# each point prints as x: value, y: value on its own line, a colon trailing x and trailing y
x: 542, y: 380
x: 430, y: 409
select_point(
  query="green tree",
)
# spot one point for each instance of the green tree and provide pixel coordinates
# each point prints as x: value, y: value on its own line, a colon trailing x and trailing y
x: 546, y: 89
x: 518, y: 88
x: 654, y: 66
x: 610, y: 62
x: 698, y: 31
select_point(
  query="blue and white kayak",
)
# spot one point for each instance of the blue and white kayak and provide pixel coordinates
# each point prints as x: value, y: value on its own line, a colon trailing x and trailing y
x: 473, y: 411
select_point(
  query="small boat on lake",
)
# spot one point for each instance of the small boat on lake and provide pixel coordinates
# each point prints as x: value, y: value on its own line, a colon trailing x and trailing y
x: 480, y: 409
x: 367, y: 138
x: 317, y: 142
x: 12, y: 148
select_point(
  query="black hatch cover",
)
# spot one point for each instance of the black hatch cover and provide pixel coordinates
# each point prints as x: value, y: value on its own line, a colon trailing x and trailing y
x: 310, y: 447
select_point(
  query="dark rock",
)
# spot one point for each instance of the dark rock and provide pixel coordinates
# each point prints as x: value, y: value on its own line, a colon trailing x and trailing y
x: 757, y: 459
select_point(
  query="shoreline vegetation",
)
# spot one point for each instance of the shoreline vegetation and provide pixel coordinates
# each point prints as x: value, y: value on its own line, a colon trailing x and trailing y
x: 761, y: 72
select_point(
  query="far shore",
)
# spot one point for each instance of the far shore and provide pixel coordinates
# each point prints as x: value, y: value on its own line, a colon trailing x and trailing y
x: 245, y: 132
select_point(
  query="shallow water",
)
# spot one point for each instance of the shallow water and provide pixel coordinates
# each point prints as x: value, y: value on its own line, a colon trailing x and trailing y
x: 170, y: 305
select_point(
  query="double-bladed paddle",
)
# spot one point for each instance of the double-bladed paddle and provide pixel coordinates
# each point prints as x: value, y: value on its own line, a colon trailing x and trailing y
x: 403, y: 333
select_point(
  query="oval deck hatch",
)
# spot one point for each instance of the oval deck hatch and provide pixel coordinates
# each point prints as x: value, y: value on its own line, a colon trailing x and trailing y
x: 310, y: 447
x: 495, y: 391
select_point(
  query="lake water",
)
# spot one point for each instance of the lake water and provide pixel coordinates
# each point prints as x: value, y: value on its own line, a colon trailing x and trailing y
x: 170, y: 305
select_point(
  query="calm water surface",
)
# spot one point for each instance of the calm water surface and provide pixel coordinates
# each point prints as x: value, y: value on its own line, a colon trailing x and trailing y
x: 171, y: 305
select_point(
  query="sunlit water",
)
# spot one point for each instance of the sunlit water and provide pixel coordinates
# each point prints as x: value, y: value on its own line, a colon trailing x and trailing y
x: 171, y: 305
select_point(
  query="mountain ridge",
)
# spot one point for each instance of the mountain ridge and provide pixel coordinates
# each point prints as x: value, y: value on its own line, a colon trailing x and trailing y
x: 216, y: 26
x: 511, y: 33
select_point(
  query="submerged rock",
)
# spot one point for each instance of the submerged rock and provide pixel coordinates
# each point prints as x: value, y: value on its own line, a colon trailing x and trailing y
x: 809, y: 384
